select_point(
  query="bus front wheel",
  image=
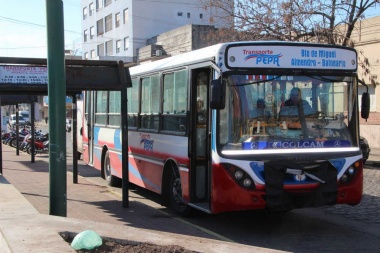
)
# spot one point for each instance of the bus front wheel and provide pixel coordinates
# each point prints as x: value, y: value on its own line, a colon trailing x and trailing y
x: 111, y: 179
x: 175, y: 193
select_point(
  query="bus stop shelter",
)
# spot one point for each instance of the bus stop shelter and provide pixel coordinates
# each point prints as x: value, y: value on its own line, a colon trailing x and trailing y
x: 22, y: 79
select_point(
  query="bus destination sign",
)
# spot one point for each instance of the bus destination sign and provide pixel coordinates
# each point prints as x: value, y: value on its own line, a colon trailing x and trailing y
x: 293, y: 57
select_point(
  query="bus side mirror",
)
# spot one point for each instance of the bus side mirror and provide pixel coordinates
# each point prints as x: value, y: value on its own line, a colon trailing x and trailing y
x: 365, y: 105
x: 218, y: 94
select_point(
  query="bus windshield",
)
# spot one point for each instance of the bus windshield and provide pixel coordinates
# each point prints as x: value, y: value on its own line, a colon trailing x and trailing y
x: 266, y: 114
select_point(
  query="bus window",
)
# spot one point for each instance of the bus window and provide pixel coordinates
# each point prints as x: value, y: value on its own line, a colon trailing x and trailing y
x: 101, y: 107
x: 114, y: 118
x: 150, y: 102
x: 174, y: 114
x: 133, y: 103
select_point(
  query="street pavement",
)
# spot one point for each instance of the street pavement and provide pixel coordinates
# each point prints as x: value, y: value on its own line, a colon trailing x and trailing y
x: 26, y: 226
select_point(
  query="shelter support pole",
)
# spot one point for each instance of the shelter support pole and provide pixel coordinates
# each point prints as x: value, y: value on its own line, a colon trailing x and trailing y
x: 33, y: 131
x: 17, y: 131
x: 1, y: 144
x: 75, y: 141
x: 57, y: 108
x: 124, y: 134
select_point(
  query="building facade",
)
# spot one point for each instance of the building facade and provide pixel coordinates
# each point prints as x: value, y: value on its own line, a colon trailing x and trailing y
x: 366, y: 37
x: 117, y: 29
x: 141, y: 31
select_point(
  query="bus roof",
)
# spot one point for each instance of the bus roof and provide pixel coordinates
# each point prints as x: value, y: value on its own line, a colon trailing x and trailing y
x: 199, y: 55
x: 261, y: 54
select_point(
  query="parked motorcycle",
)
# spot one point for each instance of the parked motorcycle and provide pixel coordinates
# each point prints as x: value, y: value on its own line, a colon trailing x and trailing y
x: 41, y: 144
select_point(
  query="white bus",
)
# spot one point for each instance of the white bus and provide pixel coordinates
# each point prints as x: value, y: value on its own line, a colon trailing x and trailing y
x: 236, y: 126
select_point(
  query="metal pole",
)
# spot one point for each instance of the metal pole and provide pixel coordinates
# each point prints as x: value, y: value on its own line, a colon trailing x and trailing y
x: 32, y: 129
x: 17, y: 131
x: 75, y: 142
x: 57, y: 107
x: 1, y: 144
x: 124, y: 135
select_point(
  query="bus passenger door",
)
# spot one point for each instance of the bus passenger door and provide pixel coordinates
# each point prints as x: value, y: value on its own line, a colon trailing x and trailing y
x: 199, y: 145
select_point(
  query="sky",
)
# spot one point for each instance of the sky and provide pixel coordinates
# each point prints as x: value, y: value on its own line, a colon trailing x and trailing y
x: 23, y: 27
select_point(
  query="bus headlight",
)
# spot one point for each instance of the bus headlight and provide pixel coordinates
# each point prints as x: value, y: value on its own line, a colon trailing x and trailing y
x: 247, y: 182
x: 349, y: 173
x: 239, y: 176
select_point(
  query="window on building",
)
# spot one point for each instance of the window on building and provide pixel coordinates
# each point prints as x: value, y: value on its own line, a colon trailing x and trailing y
x: 92, y: 32
x: 85, y: 13
x: 99, y: 27
x: 179, y: 14
x: 85, y: 34
x: 99, y: 4
x: 201, y: 16
x: 93, y: 55
x: 108, y: 22
x: 188, y: 15
x: 86, y: 56
x: 125, y: 17
x: 126, y: 43
x: 107, y: 2
x: 101, y: 49
x: 117, y: 19
x: 118, y: 46
x: 91, y: 7
x: 109, y: 47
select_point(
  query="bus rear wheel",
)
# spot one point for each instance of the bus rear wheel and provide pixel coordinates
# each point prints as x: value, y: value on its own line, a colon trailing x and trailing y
x: 111, y: 179
x: 175, y: 193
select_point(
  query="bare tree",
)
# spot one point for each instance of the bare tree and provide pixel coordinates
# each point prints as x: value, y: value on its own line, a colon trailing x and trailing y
x: 329, y: 22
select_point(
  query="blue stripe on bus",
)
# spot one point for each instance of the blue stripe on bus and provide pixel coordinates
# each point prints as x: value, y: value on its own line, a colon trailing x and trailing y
x: 133, y: 170
x: 117, y: 140
x: 95, y: 135
x: 98, y: 153
x: 213, y: 131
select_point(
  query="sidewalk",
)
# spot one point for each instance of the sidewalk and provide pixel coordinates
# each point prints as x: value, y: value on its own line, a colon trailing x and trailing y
x: 374, y: 157
x: 25, y: 225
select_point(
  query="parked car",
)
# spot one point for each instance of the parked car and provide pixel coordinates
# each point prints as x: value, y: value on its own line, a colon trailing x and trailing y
x: 365, y: 148
x: 25, y: 115
x: 12, y: 120
x: 68, y: 125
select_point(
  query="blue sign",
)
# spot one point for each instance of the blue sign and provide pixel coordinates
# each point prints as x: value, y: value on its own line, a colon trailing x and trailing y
x: 258, y: 145
x: 69, y: 100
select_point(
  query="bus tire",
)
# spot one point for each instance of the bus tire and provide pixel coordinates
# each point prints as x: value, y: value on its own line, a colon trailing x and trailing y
x: 111, y: 179
x: 175, y: 194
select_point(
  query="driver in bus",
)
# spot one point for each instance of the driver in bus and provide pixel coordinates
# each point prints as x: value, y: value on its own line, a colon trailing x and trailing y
x: 291, y: 105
